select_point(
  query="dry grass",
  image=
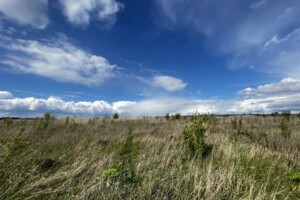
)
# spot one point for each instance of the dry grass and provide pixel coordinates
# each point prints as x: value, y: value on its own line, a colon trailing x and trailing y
x: 250, y: 160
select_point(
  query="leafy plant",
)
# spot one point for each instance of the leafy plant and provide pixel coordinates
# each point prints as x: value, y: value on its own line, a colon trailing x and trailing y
x: 296, y: 177
x: 111, y: 172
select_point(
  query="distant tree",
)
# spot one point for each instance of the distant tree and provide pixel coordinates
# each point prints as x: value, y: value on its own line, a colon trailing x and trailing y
x: 177, y: 116
x: 167, y: 116
x: 116, y: 116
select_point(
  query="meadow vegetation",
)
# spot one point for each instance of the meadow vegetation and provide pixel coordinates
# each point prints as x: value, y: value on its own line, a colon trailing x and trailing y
x: 170, y: 157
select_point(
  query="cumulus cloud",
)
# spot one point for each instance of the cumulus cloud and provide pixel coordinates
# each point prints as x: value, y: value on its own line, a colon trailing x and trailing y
x: 59, y: 59
x: 283, y: 95
x: 271, y: 44
x: 284, y: 87
x: 34, y: 107
x: 5, y: 95
x: 168, y: 83
x: 81, y: 12
x: 29, y: 12
x: 13, y: 106
x: 273, y: 97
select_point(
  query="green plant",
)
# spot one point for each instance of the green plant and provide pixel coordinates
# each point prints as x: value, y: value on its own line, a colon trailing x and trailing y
x: 44, y: 122
x: 285, y: 128
x: 194, y: 135
x: 116, y: 116
x: 8, y: 122
x: 296, y: 177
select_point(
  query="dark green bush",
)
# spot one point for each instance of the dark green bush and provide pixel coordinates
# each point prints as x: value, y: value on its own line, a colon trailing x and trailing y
x: 116, y: 116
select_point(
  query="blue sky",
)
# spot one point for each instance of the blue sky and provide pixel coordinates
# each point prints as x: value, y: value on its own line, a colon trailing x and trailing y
x: 148, y: 57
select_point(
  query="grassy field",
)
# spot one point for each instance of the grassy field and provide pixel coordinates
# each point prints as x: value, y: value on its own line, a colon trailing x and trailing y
x: 250, y: 157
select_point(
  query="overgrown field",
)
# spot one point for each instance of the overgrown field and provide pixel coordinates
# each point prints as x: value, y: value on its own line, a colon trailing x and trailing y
x: 234, y: 157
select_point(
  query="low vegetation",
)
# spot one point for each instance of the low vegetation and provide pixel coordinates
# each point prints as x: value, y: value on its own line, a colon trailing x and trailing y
x: 198, y: 157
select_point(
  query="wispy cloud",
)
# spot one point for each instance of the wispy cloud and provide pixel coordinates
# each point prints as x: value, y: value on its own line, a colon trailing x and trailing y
x: 270, y: 44
x: 29, y: 12
x: 59, y: 59
x: 81, y: 12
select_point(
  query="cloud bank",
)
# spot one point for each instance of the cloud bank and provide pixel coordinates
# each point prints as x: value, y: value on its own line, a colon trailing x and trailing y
x: 272, y: 97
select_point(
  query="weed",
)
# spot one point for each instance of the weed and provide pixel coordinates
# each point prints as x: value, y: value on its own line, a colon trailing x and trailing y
x: 43, y: 123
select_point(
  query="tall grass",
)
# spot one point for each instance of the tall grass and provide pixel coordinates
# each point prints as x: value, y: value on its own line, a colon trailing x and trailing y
x: 147, y: 159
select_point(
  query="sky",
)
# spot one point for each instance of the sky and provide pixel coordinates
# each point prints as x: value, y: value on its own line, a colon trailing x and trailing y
x: 92, y: 58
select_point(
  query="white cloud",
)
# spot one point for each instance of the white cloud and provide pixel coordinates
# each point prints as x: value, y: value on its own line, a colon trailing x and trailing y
x: 267, y: 98
x: 59, y: 59
x: 168, y: 83
x: 13, y: 106
x: 34, y: 107
x: 81, y: 12
x: 5, y: 95
x: 29, y: 12
x: 280, y: 96
x: 172, y: 105
x: 285, y: 86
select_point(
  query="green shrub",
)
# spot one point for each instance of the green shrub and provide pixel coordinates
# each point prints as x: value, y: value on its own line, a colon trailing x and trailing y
x: 194, y: 135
